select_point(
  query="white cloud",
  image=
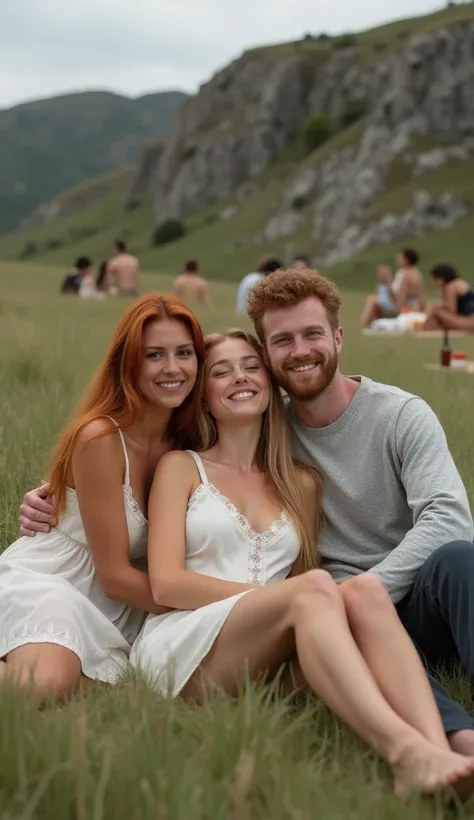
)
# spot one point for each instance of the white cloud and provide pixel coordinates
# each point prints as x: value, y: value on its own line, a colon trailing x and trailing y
x: 136, y: 46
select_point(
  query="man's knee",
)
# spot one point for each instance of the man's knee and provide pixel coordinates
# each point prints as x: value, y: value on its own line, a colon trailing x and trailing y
x: 453, y: 557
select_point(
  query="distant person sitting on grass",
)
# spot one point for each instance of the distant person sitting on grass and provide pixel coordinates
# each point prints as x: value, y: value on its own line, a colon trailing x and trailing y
x: 101, y: 279
x: 88, y: 287
x: 301, y: 262
x: 266, y: 266
x: 190, y: 287
x: 71, y: 283
x: 404, y: 292
x: 382, y: 305
x: 456, y: 311
x: 124, y: 269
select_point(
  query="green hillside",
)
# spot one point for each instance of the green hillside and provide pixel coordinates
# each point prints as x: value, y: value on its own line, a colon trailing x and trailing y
x: 49, y: 145
x: 215, y: 242
x: 229, y: 247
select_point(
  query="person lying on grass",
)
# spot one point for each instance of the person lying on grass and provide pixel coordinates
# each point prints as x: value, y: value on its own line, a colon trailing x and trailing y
x: 395, y: 506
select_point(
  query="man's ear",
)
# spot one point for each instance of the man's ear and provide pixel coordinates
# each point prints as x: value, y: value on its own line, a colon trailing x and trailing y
x: 339, y: 338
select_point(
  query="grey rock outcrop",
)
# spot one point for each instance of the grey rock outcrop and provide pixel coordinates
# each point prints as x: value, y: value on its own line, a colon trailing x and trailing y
x: 242, y: 119
x: 427, y: 213
x: 437, y: 157
x: 282, y: 225
x: 230, y: 132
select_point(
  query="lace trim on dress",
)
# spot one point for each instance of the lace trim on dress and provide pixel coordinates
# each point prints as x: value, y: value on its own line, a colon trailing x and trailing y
x: 133, y: 506
x: 259, y: 541
x: 108, y: 671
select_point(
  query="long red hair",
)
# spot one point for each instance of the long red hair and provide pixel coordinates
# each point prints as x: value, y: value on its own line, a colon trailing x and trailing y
x: 114, y: 392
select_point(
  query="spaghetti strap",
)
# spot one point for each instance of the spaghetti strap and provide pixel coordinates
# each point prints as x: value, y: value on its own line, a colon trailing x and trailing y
x: 127, y: 464
x: 202, y: 473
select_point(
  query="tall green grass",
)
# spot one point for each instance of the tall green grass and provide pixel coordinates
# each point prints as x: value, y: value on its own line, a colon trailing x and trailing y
x: 123, y: 753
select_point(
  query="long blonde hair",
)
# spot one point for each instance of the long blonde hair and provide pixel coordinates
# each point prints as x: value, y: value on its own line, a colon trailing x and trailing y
x: 274, y: 459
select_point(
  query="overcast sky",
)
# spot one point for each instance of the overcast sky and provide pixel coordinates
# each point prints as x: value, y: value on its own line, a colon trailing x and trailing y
x: 50, y: 47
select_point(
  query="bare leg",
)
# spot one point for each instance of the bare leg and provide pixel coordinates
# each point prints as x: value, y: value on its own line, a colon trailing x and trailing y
x: 451, y: 321
x: 391, y: 656
x: 308, y: 613
x: 51, y: 671
x: 370, y: 312
x: 431, y: 323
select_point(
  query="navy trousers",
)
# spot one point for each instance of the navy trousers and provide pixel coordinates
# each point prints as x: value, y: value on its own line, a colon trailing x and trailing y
x: 438, y: 614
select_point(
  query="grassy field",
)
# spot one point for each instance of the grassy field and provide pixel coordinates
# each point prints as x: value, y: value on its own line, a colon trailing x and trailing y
x: 123, y: 753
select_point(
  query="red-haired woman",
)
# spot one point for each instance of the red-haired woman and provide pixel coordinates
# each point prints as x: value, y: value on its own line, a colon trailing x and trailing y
x: 73, y: 599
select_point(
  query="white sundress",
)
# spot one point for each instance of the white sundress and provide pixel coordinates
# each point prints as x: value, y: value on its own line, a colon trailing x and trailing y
x: 50, y: 593
x: 220, y: 543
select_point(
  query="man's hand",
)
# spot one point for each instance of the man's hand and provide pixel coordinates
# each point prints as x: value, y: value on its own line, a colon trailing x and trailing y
x: 36, y: 511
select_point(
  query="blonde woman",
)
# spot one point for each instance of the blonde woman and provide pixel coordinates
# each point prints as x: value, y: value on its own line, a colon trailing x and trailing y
x: 227, y: 527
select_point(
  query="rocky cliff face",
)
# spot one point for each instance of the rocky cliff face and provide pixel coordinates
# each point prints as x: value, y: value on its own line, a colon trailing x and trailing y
x: 231, y: 131
x: 248, y: 113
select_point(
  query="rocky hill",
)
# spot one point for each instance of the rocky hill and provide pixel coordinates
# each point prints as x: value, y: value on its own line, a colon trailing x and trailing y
x: 331, y: 146
x: 250, y: 112
x: 48, y: 145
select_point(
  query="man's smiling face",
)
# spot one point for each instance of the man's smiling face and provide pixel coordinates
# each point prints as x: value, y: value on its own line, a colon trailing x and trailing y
x: 302, y: 348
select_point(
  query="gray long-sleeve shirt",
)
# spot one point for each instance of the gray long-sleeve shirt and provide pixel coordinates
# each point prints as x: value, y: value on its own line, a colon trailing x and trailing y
x: 392, y: 493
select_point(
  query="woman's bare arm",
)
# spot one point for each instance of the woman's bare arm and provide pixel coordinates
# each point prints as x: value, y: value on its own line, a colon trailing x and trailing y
x: 172, y: 584
x: 97, y: 466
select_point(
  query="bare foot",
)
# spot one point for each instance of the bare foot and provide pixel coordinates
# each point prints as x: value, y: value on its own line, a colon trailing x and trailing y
x: 425, y: 768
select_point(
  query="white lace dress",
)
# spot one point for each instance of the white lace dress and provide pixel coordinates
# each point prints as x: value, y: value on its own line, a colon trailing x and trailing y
x: 49, y: 592
x: 220, y: 543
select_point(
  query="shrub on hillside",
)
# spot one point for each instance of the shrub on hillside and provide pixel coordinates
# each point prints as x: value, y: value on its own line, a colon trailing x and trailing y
x: 28, y: 251
x: 298, y: 203
x: 352, y: 112
x: 345, y: 41
x: 189, y: 152
x: 168, y: 231
x: 54, y: 244
x: 316, y: 129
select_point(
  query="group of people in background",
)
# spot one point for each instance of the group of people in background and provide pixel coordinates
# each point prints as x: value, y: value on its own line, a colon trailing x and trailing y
x: 395, y: 294
x: 405, y: 292
x: 117, y: 276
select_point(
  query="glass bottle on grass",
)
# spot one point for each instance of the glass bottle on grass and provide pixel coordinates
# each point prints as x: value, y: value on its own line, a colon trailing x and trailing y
x: 446, y: 351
